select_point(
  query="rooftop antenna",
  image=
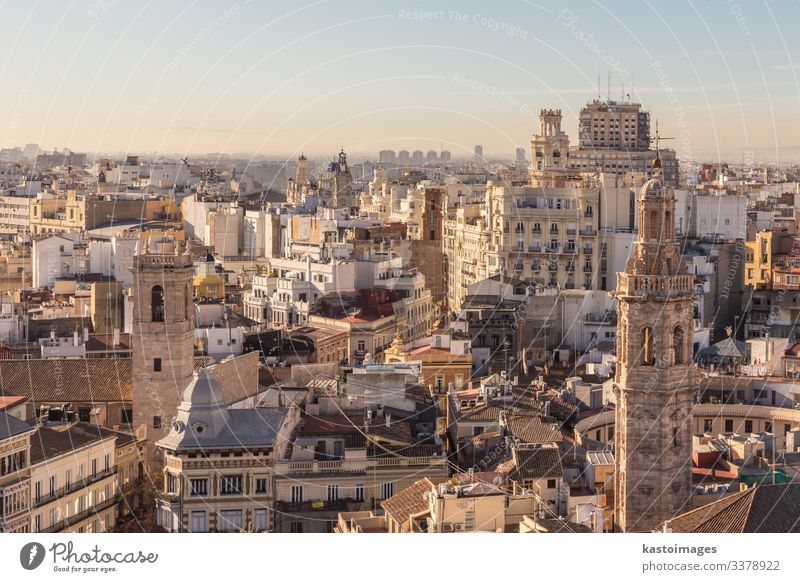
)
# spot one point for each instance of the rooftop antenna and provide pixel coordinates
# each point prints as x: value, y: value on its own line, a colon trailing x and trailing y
x: 608, y: 87
x: 598, y: 87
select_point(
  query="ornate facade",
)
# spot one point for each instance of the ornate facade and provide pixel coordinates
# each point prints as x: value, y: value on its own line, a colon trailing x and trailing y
x: 654, y: 382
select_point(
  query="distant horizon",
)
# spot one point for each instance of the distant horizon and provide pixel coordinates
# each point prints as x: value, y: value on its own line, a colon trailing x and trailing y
x: 279, y: 79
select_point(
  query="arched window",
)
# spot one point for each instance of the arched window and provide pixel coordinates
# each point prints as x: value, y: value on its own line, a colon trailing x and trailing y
x: 678, y: 344
x: 157, y: 303
x: 648, y: 347
x: 668, y: 225
x: 652, y: 225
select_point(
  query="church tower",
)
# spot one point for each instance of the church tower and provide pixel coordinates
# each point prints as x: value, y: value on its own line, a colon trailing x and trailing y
x: 549, y: 151
x: 163, y: 336
x: 654, y: 383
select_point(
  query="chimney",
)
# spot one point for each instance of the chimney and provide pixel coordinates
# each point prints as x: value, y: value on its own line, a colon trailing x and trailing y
x: 75, y: 338
x: 116, y: 336
x: 85, y: 334
x: 388, y: 420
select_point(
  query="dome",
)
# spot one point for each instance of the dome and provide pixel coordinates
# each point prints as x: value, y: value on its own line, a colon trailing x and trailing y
x: 654, y: 187
x: 204, y: 390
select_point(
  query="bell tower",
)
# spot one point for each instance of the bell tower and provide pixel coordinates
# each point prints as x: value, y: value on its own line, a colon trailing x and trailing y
x: 654, y: 383
x: 163, y: 337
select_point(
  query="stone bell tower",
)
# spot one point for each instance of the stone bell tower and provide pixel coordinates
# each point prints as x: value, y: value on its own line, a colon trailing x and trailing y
x: 163, y: 337
x: 654, y: 383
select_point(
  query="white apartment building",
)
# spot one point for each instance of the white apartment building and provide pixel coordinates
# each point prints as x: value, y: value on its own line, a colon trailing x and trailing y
x: 73, y: 482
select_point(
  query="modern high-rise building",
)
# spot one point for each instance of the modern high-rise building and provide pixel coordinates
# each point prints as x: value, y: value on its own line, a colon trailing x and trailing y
x: 478, y: 153
x: 614, y: 138
x: 519, y: 157
x: 654, y: 383
x: 387, y: 157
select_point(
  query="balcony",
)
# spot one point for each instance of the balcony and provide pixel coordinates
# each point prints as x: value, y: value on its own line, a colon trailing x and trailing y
x: 587, y: 268
x: 587, y: 250
x: 67, y: 489
x: 571, y: 231
x: 78, y: 517
x: 588, y: 232
x: 294, y: 507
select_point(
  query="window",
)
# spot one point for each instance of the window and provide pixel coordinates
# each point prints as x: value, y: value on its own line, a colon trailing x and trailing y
x: 231, y: 485
x: 156, y: 364
x: 652, y: 226
x: 296, y: 527
x: 728, y: 425
x: 126, y: 416
x: 261, y: 485
x: 157, y: 303
x: 748, y: 426
x: 551, y: 483
x: 199, y: 522
x: 231, y: 520
x: 199, y: 487
x: 767, y: 426
x: 260, y: 520
x: 297, y: 494
x: 359, y: 494
x: 648, y: 356
x: 156, y: 422
x: 333, y: 492
x: 387, y: 490
x: 107, y: 461
x: 678, y: 344
x: 172, y: 483
x: 708, y: 425
x: 94, y: 467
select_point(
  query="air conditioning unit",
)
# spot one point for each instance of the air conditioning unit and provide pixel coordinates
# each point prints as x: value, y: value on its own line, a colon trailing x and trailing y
x: 447, y: 527
x: 459, y: 527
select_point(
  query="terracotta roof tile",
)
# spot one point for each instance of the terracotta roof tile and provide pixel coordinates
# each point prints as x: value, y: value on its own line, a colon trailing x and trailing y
x: 411, y: 500
x: 761, y: 509
x: 85, y: 380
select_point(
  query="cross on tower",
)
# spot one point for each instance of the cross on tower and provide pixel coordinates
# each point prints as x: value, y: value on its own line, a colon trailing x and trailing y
x: 656, y: 139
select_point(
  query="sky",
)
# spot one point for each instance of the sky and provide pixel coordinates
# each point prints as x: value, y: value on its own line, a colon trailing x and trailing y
x: 283, y: 77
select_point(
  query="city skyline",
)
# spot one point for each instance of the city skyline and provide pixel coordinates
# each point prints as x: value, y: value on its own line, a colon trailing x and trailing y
x: 720, y: 79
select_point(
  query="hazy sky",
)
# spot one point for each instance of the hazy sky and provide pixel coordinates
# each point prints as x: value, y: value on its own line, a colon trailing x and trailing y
x: 283, y: 77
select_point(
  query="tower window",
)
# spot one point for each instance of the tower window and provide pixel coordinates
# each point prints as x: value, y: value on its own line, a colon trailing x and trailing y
x: 652, y: 226
x: 156, y: 422
x: 157, y: 303
x: 648, y: 355
x: 156, y: 364
x: 678, y: 344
